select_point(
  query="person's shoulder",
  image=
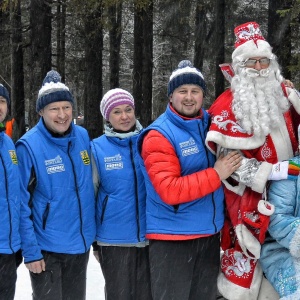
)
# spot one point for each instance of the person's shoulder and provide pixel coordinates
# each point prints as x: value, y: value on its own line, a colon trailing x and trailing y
x: 80, y: 129
x: 7, y: 139
x: 98, y: 139
x: 223, y: 101
x: 30, y: 134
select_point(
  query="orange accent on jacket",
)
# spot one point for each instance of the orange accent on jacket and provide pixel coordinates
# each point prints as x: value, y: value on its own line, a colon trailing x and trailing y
x: 9, y: 127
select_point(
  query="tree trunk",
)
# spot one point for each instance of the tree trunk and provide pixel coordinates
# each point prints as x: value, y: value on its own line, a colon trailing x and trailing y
x: 279, y: 33
x: 17, y: 72
x: 200, y: 35
x: 146, y: 113
x: 115, y: 35
x: 61, y: 38
x: 219, y: 45
x: 137, y: 88
x: 40, y: 51
x: 93, y: 121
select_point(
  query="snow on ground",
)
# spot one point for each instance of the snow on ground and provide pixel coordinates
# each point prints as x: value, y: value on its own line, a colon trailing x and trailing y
x: 95, y: 282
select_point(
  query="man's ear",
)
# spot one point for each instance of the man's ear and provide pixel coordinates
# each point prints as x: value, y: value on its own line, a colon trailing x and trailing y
x: 170, y: 98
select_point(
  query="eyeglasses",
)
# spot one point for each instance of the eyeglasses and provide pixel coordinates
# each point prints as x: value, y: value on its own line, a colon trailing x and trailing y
x: 252, y: 62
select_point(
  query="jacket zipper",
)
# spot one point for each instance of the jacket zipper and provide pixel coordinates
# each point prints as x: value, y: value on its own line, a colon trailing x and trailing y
x: 213, y: 193
x: 136, y: 192
x: 8, y: 204
x: 45, y: 215
x: 104, y: 208
x: 78, y: 196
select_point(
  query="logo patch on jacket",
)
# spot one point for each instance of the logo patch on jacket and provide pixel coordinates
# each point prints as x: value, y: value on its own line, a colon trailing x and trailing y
x: 113, y: 162
x: 189, y: 147
x: 13, y: 156
x: 54, y: 165
x: 85, y: 157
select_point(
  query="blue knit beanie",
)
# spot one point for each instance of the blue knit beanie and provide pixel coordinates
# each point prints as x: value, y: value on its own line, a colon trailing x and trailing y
x: 4, y: 93
x: 53, y: 90
x: 186, y: 73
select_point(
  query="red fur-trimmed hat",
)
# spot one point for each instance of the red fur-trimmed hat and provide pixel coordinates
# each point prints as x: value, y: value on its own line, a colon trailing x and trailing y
x: 250, y: 43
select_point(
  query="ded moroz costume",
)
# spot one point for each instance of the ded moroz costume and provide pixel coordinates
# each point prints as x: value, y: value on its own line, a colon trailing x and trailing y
x: 253, y: 116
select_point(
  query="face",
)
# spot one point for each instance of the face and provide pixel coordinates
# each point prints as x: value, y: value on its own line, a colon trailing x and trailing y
x: 257, y: 63
x: 187, y: 100
x: 3, y: 109
x: 57, y: 116
x: 122, y: 117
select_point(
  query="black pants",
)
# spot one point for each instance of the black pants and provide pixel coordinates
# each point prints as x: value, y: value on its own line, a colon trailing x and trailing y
x: 64, y: 278
x: 185, y: 270
x: 126, y: 272
x: 8, y: 276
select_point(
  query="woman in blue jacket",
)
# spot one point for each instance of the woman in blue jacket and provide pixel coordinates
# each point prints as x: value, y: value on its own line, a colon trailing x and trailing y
x: 10, y: 242
x: 280, y: 254
x: 120, y: 210
x: 58, y: 205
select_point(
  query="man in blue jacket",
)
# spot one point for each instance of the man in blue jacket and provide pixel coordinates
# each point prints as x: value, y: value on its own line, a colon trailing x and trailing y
x: 58, y: 206
x: 10, y: 242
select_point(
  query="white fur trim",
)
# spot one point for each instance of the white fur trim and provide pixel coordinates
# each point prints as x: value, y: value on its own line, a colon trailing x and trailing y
x: 262, y: 207
x: 295, y: 244
x: 234, y: 143
x: 282, y: 142
x: 247, y: 241
x: 250, y: 49
x: 261, y: 177
x: 232, y: 291
x: 294, y: 98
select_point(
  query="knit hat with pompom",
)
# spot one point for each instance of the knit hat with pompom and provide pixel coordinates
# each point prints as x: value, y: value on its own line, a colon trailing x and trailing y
x: 113, y: 98
x: 53, y: 90
x: 186, y: 73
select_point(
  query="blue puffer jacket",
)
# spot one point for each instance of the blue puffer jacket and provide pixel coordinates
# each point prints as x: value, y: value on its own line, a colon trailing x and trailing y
x: 200, y: 216
x: 280, y: 255
x: 9, y: 197
x: 121, y: 201
x: 61, y: 203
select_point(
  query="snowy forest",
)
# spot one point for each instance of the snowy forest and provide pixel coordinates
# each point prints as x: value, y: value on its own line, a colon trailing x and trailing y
x: 97, y: 45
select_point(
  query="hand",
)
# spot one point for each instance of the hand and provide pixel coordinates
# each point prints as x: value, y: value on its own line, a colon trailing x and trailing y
x: 226, y: 165
x: 36, y: 266
x: 288, y: 83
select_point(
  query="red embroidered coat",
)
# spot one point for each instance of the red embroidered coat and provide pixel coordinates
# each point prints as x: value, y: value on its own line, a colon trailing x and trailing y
x: 245, y: 226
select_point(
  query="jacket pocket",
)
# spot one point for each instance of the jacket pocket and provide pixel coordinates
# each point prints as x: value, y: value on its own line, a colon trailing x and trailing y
x: 103, y: 208
x: 45, y: 215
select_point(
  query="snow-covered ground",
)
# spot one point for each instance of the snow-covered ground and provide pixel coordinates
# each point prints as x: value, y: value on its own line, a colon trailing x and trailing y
x: 95, y: 282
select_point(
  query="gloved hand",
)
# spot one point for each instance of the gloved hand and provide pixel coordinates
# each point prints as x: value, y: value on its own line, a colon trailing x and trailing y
x: 285, y: 170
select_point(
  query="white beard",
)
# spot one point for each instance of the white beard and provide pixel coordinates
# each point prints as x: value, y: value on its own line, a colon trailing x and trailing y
x: 258, y: 99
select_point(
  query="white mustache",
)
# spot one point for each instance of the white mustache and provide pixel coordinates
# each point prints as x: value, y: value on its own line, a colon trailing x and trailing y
x: 256, y: 73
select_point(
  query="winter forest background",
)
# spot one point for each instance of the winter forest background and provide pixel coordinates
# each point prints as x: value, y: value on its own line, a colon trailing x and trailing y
x: 134, y: 44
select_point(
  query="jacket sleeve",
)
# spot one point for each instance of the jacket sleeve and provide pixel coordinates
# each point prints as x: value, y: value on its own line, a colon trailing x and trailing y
x: 30, y: 248
x: 163, y: 168
x: 284, y: 223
